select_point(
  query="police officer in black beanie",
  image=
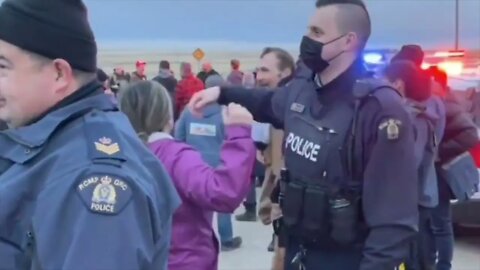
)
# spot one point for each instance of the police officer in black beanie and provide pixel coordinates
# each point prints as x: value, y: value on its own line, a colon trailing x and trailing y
x: 78, y: 189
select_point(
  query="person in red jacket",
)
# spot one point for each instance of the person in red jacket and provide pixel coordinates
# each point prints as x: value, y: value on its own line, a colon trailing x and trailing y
x: 188, y: 85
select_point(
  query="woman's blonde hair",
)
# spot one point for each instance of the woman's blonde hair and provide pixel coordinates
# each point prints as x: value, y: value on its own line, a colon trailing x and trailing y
x: 148, y: 107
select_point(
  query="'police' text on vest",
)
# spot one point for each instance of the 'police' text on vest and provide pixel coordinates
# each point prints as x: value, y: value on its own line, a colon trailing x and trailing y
x: 302, y: 147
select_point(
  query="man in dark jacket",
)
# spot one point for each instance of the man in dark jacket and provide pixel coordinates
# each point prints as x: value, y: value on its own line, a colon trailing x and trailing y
x: 165, y: 77
x: 207, y: 70
x: 459, y: 137
x: 3, y: 125
x: 428, y: 117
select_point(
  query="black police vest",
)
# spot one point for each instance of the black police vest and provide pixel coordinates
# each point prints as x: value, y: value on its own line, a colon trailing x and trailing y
x: 319, y: 204
x: 321, y: 197
x: 316, y: 140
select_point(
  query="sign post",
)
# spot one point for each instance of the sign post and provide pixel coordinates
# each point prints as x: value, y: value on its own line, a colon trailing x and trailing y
x: 198, y: 54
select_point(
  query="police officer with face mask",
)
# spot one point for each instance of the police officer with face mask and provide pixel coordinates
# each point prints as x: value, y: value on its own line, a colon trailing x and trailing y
x: 349, y: 191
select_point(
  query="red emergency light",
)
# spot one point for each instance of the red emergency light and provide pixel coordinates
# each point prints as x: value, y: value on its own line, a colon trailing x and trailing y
x: 452, y: 68
x: 456, y: 53
x: 425, y: 66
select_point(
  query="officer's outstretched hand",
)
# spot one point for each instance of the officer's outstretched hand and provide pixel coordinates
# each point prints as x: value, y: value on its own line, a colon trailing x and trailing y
x: 235, y: 114
x: 203, y: 98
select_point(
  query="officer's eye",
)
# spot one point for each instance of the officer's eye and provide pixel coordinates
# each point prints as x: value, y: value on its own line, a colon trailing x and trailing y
x: 316, y: 31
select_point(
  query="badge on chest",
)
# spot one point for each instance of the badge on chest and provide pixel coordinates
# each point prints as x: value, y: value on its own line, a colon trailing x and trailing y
x: 203, y: 129
x: 297, y: 107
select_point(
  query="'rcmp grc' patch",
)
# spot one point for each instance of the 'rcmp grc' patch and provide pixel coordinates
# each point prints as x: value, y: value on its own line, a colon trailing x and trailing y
x: 393, y: 128
x: 104, y: 193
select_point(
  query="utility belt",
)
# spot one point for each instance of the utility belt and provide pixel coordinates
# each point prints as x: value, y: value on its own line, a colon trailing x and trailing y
x: 319, y: 217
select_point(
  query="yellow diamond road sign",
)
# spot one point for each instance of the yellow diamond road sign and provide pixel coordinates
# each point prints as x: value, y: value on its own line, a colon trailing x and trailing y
x: 198, y: 54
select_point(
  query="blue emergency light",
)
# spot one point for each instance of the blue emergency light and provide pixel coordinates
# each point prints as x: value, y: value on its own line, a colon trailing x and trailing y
x: 373, y: 58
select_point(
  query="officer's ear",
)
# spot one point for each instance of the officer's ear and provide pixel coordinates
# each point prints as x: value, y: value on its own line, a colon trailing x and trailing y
x: 351, y: 41
x: 63, y: 72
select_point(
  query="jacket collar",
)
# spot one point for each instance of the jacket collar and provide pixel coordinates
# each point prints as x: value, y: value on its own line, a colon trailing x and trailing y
x: 342, y: 86
x: 156, y: 136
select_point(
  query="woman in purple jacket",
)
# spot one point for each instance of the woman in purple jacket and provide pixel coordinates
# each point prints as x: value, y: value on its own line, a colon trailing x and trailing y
x: 203, y: 189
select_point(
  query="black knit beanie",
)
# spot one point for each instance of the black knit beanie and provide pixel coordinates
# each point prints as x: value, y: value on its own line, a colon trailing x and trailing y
x: 412, y: 53
x: 50, y: 28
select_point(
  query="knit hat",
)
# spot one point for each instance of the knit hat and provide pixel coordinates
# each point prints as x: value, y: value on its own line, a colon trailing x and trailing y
x: 50, y: 28
x: 417, y: 85
x: 412, y: 53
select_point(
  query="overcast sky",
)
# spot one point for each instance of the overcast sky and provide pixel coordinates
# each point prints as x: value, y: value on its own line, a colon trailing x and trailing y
x: 395, y: 22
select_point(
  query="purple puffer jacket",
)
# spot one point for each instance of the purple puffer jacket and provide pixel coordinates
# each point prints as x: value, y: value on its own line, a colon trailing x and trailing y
x: 204, y: 190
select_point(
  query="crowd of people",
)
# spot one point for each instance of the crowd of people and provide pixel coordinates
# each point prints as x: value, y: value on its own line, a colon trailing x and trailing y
x: 121, y: 171
x: 181, y: 89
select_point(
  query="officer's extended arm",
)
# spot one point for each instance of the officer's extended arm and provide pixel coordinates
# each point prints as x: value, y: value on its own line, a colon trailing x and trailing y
x: 266, y: 106
x: 390, y: 196
x: 103, y: 222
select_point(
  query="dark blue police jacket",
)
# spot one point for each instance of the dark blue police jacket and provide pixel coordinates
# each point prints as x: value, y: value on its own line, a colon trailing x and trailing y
x: 384, y: 159
x: 79, y: 190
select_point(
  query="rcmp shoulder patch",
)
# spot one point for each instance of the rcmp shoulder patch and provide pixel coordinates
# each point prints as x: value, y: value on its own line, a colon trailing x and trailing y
x: 392, y: 127
x: 104, y: 193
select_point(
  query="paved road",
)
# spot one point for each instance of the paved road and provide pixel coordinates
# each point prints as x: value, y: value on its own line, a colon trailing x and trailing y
x: 254, y: 256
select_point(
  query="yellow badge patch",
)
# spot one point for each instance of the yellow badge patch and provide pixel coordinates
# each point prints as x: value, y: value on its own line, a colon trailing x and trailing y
x: 393, y: 128
x: 106, y: 194
x: 107, y: 146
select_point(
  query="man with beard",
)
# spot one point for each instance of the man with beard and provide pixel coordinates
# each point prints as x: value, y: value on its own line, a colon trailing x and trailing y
x: 275, y: 70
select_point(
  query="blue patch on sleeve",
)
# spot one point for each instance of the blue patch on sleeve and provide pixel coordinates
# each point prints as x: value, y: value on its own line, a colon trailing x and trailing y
x: 104, y: 142
x: 104, y: 193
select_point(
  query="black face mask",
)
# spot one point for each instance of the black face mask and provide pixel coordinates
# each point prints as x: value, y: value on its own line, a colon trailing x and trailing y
x: 311, y: 54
